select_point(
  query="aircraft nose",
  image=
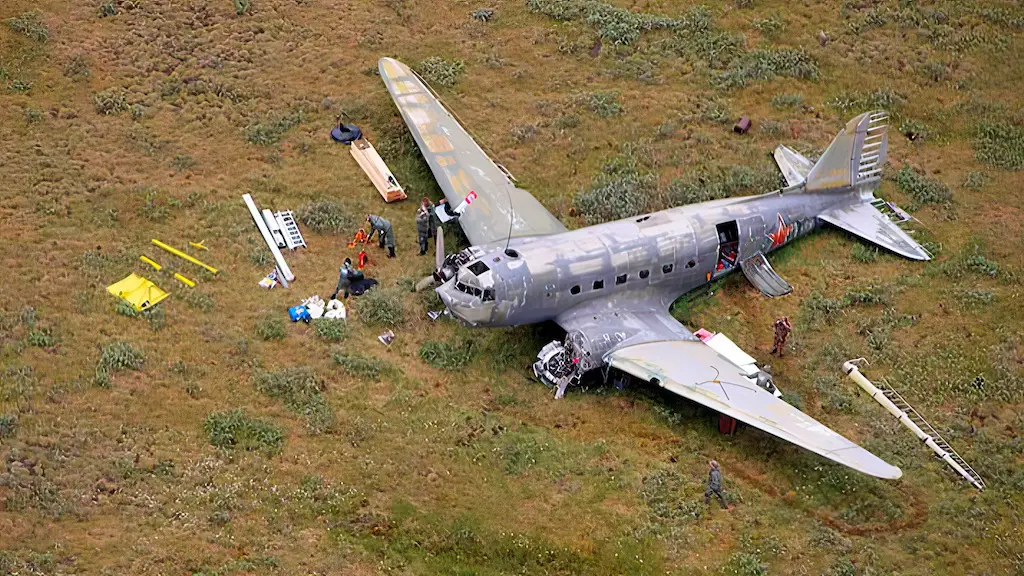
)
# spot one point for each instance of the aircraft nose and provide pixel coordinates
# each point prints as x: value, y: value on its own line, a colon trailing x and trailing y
x: 470, y: 309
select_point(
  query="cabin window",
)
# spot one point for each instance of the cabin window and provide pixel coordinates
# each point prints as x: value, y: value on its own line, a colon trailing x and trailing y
x: 598, y: 284
x: 478, y: 268
x: 644, y: 274
x: 574, y: 290
x: 667, y: 268
x: 621, y: 279
x: 643, y: 219
x: 691, y: 264
x: 488, y: 294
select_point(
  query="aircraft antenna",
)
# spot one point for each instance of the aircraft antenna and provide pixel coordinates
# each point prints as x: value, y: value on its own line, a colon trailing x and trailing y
x: 511, y: 219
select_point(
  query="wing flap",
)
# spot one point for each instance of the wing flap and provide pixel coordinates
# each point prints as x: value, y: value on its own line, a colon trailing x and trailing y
x: 696, y: 372
x: 793, y: 165
x: 460, y: 166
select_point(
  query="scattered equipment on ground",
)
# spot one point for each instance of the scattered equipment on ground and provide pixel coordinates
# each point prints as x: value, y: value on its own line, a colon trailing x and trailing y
x: 387, y: 338
x: 201, y: 245
x: 184, y: 256
x: 137, y: 291
x: 743, y: 126
x: 371, y: 163
x: 150, y: 262
x: 284, y: 229
x: 185, y: 281
x: 894, y: 403
x: 285, y: 275
x: 346, y: 133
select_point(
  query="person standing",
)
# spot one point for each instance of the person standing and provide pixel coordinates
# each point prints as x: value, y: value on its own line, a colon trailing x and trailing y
x: 424, y: 223
x: 386, y: 235
x: 782, y: 329
x: 714, y: 484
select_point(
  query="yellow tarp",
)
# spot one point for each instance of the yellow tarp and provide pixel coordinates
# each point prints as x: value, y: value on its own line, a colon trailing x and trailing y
x: 138, y: 292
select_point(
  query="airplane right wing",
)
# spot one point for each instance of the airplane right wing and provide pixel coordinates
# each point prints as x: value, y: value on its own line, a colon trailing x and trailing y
x: 641, y: 338
x: 460, y: 166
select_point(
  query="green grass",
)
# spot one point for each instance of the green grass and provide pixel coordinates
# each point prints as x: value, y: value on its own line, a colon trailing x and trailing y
x: 922, y: 189
x: 234, y: 430
x: 1000, y: 144
x: 441, y: 71
x: 30, y: 25
x: 330, y: 330
x: 360, y: 366
x: 447, y: 355
x: 270, y: 129
x: 271, y: 328
x: 328, y: 217
x: 382, y: 307
x: 302, y: 391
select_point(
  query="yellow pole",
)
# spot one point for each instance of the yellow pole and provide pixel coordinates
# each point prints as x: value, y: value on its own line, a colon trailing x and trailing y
x: 150, y: 262
x: 184, y: 280
x: 181, y: 254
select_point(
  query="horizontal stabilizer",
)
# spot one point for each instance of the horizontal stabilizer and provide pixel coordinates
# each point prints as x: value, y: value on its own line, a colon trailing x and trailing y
x: 698, y: 373
x: 794, y: 167
x: 867, y: 222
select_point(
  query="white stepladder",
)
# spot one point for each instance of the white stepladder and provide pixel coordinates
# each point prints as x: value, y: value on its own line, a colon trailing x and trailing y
x: 894, y: 403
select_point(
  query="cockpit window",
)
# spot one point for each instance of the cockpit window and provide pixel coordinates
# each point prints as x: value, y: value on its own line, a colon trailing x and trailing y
x: 478, y: 268
x: 472, y: 290
x: 488, y: 295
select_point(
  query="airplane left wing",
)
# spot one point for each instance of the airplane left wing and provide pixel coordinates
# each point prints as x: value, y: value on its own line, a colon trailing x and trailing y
x: 460, y: 166
x: 651, y: 345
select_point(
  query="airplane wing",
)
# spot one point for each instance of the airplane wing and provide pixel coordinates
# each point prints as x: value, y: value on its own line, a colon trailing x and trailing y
x: 651, y: 345
x: 461, y: 166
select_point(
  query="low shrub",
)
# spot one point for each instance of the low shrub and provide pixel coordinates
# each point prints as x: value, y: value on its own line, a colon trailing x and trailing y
x: 327, y: 216
x: 272, y: 128
x: 787, y: 101
x: 604, y: 104
x: 30, y: 25
x: 922, y: 189
x: 624, y: 187
x: 330, y: 329
x: 447, y: 355
x: 111, y: 101
x: 271, y: 328
x: 107, y: 9
x: 119, y: 355
x: 8, y: 425
x: 1000, y: 144
x: 441, y: 71
x: 482, y: 14
x: 864, y: 253
x: 382, y: 307
x: 302, y: 391
x: 43, y: 338
x: 357, y: 365
x: 232, y: 429
x: 767, y: 64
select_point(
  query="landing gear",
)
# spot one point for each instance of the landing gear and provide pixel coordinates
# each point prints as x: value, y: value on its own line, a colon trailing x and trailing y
x: 558, y: 366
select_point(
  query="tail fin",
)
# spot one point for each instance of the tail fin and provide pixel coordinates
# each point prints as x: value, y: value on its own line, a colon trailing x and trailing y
x: 856, y: 154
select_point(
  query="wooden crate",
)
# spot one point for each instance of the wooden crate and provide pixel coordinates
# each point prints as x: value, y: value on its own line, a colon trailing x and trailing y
x: 374, y: 166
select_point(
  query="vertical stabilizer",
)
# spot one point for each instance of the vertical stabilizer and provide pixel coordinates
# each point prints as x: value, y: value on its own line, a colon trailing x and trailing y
x: 856, y: 154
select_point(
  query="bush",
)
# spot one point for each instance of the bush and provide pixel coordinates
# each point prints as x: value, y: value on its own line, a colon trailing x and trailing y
x: 271, y: 328
x: 233, y: 429
x: 975, y: 180
x: 615, y: 25
x: 787, y: 101
x: 270, y: 129
x: 769, y: 27
x: 922, y: 189
x: 864, y: 253
x: 323, y: 216
x: 77, y: 68
x: 241, y: 6
x: 745, y: 564
x: 107, y: 9
x: 29, y: 24
x: 440, y: 71
x: 8, y: 425
x: 482, y: 14
x: 330, y: 329
x: 382, y: 307
x: 359, y: 365
x: 720, y: 182
x: 767, y: 64
x: 302, y: 391
x: 198, y: 300
x: 111, y: 101
x: 624, y: 187
x: 447, y: 355
x: 42, y: 338
x: 119, y: 355
x: 1000, y: 144
x: 604, y: 104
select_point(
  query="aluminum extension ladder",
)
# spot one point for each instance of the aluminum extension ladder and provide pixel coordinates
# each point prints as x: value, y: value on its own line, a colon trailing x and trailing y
x: 292, y: 237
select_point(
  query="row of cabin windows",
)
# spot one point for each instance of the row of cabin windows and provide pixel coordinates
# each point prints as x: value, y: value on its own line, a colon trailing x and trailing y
x: 621, y: 278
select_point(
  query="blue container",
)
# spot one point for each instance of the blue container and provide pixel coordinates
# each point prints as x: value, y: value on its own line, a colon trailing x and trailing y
x: 297, y: 313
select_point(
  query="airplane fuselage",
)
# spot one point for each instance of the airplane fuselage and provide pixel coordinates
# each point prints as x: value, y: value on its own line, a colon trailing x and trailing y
x: 666, y: 253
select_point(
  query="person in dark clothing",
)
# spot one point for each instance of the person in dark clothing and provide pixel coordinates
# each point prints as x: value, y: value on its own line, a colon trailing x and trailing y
x: 384, y: 231
x: 782, y: 329
x: 424, y: 223
x: 714, y: 484
x: 344, y: 279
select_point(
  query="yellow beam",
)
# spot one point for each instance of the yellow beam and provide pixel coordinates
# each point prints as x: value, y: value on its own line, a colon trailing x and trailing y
x: 150, y: 262
x: 200, y: 245
x: 184, y: 256
x: 184, y: 280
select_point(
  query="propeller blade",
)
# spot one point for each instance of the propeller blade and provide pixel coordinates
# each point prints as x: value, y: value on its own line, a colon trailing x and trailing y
x: 439, y: 245
x: 426, y: 282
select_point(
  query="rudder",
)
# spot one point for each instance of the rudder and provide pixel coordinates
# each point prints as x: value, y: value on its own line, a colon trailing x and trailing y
x: 856, y: 154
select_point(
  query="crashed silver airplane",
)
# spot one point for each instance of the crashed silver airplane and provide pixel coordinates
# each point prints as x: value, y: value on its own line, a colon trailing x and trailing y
x: 610, y: 285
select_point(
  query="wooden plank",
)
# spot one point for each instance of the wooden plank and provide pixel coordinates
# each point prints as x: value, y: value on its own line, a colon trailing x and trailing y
x: 375, y: 168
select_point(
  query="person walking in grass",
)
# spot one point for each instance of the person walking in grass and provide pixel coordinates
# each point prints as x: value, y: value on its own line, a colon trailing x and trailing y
x: 425, y: 223
x: 782, y: 329
x: 385, y: 234
x: 714, y: 484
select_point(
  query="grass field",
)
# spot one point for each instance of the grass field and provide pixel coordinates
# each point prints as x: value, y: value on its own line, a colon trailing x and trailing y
x: 211, y: 436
